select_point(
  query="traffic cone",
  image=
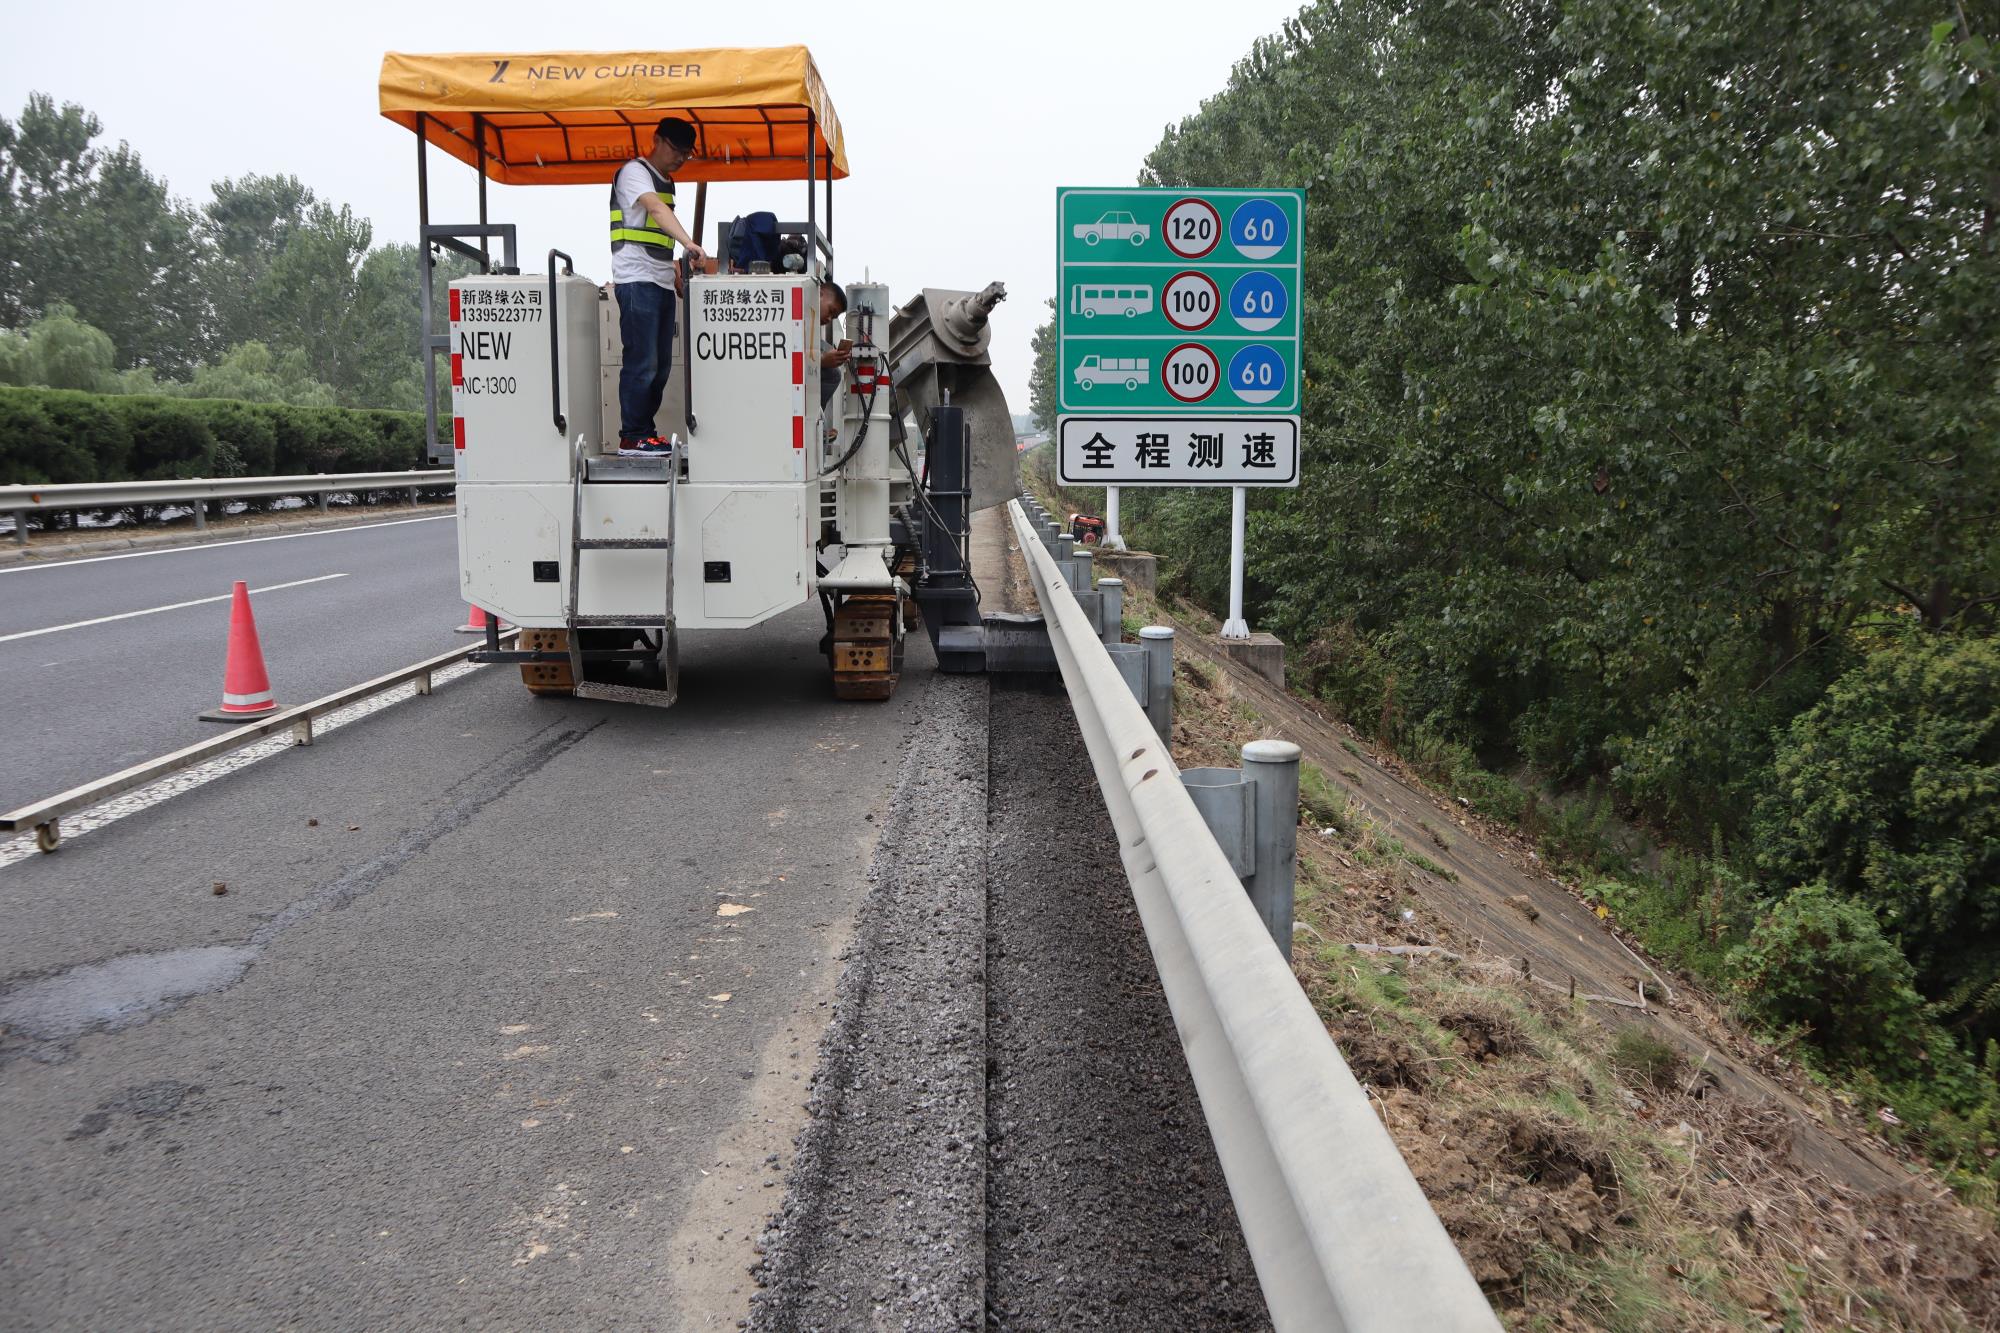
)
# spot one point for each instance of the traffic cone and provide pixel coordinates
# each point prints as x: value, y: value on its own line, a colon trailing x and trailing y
x: 475, y: 622
x: 246, y: 687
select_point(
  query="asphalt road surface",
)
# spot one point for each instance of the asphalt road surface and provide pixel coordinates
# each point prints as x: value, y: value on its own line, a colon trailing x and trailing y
x: 108, y: 663
x: 504, y: 1019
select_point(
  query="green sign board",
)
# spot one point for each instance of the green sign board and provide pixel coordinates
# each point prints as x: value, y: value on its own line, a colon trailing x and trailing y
x: 1180, y: 307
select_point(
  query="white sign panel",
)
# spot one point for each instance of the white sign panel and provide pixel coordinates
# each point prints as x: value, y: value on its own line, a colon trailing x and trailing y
x: 1178, y: 451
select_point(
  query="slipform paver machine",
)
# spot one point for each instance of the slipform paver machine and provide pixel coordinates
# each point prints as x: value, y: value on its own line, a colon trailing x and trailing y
x: 767, y: 500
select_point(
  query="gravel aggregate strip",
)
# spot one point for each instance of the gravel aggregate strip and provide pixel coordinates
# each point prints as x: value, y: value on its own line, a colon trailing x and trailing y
x: 883, y: 1221
x: 1106, y: 1206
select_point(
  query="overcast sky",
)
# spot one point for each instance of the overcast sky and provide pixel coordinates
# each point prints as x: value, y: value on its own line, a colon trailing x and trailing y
x: 959, y: 128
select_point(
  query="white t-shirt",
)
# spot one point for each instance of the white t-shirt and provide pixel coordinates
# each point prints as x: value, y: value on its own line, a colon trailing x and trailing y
x: 634, y: 261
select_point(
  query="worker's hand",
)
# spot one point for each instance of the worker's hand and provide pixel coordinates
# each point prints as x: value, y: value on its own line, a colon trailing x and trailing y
x: 696, y: 255
x: 835, y: 357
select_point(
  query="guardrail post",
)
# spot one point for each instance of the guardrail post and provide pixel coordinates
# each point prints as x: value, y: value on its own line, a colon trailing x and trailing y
x: 1130, y: 659
x: 413, y: 497
x: 1066, y: 558
x: 1111, y: 611
x: 324, y: 496
x: 1226, y: 798
x: 20, y: 527
x: 1087, y: 598
x: 201, y: 515
x: 1159, y: 644
x: 1082, y: 567
x: 1273, y: 770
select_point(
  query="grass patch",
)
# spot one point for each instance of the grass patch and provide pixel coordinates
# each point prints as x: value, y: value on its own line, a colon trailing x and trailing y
x: 1326, y: 805
x: 1642, y: 1058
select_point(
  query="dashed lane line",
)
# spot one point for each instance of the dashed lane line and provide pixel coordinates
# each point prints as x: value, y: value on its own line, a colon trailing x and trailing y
x: 155, y: 610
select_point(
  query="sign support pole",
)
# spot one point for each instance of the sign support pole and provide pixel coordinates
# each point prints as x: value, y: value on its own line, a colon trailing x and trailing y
x: 1234, y: 628
x: 1114, y: 536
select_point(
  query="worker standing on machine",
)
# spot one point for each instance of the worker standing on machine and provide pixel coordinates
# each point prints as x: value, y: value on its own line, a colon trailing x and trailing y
x: 643, y: 232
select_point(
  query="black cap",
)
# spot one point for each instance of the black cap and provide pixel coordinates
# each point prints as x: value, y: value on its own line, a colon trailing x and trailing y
x: 678, y: 133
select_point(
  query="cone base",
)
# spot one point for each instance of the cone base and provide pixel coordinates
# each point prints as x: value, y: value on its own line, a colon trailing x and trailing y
x: 217, y: 715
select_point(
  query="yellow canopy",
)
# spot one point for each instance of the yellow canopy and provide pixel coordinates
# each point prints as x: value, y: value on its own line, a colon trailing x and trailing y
x: 569, y: 118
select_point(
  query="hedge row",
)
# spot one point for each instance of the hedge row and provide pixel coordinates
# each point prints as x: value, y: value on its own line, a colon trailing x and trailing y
x: 52, y: 436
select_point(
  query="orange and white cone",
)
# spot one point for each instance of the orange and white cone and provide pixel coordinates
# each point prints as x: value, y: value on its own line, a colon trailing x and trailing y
x: 475, y: 621
x: 246, y: 687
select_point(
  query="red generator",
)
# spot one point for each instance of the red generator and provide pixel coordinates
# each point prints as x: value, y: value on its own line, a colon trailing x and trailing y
x: 1088, y: 529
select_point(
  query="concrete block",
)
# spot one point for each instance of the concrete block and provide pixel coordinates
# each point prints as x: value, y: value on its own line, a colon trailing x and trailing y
x: 1136, y: 568
x: 1262, y: 653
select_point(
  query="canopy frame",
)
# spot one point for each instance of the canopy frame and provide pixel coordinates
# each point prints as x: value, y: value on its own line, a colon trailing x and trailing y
x: 481, y: 143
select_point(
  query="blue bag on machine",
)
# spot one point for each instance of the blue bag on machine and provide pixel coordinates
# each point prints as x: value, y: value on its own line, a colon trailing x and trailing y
x: 753, y: 238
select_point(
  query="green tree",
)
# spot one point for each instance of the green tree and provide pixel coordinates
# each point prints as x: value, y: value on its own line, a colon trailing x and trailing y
x: 1648, y: 351
x: 384, y: 365
x: 245, y: 226
x: 62, y: 352
x: 1042, y: 376
x: 306, y: 300
x: 251, y: 372
x: 46, y: 164
x: 1889, y: 791
x: 97, y: 231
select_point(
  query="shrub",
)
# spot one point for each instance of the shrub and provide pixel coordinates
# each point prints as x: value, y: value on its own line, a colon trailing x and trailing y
x: 1888, y: 790
x: 56, y: 436
x: 170, y: 440
x: 94, y: 435
x: 247, y: 431
x: 42, y: 456
x: 1818, y: 960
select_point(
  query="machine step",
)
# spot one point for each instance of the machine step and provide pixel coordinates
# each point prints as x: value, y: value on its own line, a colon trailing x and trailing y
x: 624, y: 544
x: 621, y: 622
x: 626, y: 694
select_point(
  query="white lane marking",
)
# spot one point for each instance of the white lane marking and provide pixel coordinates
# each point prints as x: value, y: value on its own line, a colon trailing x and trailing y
x: 155, y: 610
x: 210, y: 546
x: 22, y: 846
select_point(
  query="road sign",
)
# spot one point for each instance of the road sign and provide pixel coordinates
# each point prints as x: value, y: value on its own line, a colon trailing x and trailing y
x: 1178, y: 303
x: 1144, y: 274
x: 1177, y: 345
x: 1178, y: 451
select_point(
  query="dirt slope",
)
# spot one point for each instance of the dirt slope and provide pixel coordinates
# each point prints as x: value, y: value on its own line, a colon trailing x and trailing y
x: 1562, y: 939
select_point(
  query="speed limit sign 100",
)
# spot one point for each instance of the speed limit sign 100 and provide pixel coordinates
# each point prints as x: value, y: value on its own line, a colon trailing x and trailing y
x: 1191, y: 372
x: 1191, y: 300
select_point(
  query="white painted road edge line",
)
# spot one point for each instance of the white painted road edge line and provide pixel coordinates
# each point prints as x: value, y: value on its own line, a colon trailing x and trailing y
x: 210, y: 546
x: 155, y: 610
x: 22, y: 846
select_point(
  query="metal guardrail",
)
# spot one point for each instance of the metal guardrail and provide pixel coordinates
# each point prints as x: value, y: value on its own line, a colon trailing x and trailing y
x: 21, y: 501
x: 44, y: 816
x: 1340, y: 1233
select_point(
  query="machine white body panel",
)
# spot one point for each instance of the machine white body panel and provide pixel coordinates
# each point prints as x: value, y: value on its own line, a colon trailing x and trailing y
x: 748, y: 518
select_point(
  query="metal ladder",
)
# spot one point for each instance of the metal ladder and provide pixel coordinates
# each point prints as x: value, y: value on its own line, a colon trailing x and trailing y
x: 664, y: 623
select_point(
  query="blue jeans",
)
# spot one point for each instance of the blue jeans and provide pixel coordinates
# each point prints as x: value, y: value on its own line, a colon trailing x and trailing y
x: 646, y: 327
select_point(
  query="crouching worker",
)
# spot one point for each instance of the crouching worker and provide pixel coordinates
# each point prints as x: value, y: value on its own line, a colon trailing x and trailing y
x: 643, y: 232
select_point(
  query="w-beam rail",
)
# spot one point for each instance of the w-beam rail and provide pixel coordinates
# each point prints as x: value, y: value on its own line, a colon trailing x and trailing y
x: 45, y: 816
x: 1341, y: 1234
x: 20, y: 501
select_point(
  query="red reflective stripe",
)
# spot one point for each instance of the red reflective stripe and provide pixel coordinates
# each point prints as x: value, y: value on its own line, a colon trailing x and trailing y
x: 454, y: 303
x: 798, y: 367
x: 798, y: 303
x: 798, y: 432
x: 458, y: 370
x: 458, y: 432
